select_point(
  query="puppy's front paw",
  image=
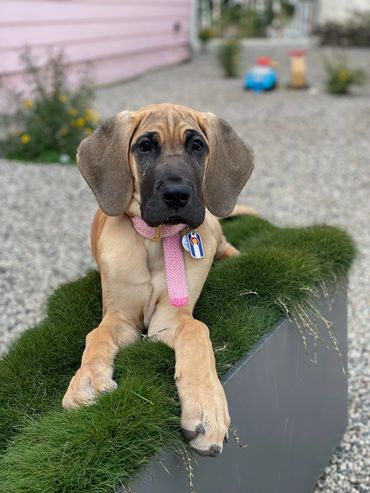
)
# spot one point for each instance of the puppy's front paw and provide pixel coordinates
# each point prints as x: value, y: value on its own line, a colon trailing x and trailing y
x: 205, y: 418
x: 89, y: 381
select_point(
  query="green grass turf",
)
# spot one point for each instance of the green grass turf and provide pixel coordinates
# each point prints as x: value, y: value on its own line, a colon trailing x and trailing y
x: 48, y: 450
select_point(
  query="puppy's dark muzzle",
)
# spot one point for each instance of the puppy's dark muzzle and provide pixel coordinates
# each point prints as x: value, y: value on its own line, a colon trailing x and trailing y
x: 172, y: 198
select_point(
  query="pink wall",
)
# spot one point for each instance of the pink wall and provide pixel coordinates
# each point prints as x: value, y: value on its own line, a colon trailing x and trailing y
x: 121, y: 38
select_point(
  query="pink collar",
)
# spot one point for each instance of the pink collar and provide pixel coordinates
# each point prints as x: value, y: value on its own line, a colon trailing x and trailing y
x: 162, y: 231
x: 173, y: 257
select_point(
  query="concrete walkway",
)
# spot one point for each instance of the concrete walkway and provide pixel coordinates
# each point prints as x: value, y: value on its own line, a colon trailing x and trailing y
x: 312, y: 166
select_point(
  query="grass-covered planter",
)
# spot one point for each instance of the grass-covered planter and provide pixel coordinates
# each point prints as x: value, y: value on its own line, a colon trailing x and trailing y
x: 288, y: 405
x: 95, y: 449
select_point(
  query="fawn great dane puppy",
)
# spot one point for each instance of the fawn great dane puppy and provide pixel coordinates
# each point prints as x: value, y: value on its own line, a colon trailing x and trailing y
x: 158, y: 173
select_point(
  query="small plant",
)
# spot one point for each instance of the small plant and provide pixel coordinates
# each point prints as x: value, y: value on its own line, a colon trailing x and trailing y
x: 229, y: 56
x: 49, y: 123
x: 205, y: 35
x: 340, y: 77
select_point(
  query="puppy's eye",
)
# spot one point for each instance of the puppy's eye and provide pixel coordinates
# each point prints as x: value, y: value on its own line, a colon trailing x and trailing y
x: 145, y: 146
x: 197, y: 145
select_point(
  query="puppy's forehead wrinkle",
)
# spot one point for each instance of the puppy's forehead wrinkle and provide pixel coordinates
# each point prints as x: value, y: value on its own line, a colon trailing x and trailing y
x: 170, y: 125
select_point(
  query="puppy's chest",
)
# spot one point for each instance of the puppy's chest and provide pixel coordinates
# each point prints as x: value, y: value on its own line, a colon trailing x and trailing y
x: 157, y: 285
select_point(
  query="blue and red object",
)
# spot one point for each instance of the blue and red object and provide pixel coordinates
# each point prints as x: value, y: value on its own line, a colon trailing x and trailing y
x: 262, y: 76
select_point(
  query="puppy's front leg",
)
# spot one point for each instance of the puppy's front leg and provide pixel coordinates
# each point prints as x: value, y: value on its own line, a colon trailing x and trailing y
x: 95, y: 374
x: 204, y: 418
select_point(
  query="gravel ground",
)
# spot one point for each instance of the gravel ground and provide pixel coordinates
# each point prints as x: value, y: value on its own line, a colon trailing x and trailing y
x: 312, y: 166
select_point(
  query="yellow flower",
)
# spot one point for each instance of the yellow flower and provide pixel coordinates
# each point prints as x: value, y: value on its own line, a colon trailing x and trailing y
x: 79, y: 122
x: 25, y: 138
x: 28, y: 103
x: 72, y: 111
x: 92, y: 115
x: 88, y: 131
x: 62, y: 98
x: 343, y: 74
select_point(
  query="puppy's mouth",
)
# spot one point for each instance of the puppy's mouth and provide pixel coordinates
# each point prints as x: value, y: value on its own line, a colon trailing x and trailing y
x: 156, y: 213
x: 174, y: 220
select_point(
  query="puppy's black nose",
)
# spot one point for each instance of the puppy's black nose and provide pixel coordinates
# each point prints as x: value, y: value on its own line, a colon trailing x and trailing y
x: 176, y: 195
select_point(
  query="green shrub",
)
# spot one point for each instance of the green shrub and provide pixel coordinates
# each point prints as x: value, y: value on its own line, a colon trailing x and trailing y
x: 246, y: 22
x: 48, y: 124
x: 340, y: 77
x: 253, y: 24
x: 205, y: 35
x: 229, y: 57
x: 288, y: 9
x: 354, y: 32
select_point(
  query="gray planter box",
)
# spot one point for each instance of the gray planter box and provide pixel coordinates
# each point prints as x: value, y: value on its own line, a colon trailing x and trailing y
x: 290, y: 412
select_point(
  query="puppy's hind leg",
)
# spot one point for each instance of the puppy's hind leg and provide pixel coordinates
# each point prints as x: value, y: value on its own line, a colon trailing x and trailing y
x: 227, y: 252
x: 225, y: 249
x: 243, y: 210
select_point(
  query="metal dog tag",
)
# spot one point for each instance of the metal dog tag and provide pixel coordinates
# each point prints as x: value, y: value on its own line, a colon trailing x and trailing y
x: 192, y: 243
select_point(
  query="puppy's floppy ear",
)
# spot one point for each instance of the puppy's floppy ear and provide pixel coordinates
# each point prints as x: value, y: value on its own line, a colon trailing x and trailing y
x: 103, y: 159
x: 228, y: 169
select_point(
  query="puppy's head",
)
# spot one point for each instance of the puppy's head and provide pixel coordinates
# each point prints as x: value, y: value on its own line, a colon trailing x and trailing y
x: 167, y: 163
